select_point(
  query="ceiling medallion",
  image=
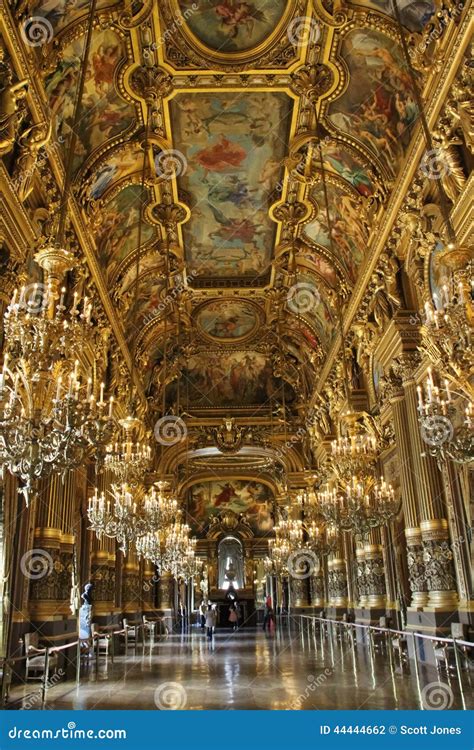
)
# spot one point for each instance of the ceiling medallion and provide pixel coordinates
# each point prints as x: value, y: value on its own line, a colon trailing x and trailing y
x: 228, y: 321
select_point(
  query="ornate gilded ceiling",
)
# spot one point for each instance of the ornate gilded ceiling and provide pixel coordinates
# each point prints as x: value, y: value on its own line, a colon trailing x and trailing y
x: 241, y: 274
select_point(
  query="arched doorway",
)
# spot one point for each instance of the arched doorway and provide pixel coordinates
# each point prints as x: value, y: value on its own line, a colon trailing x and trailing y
x: 230, y: 563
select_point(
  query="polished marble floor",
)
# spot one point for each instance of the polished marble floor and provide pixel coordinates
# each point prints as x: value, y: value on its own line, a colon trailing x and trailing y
x: 248, y: 669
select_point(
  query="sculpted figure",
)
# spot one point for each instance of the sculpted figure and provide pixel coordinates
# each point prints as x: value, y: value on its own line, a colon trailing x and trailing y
x: 10, y: 110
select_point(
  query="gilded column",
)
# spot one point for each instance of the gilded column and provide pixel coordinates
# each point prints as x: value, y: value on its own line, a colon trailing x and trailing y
x: 316, y: 589
x: 166, y: 591
x: 337, y: 577
x: 416, y: 568
x: 375, y: 572
x: 149, y: 587
x: 50, y: 564
x: 361, y: 577
x: 299, y: 591
x: 437, y: 554
x: 131, y: 591
x: 103, y: 563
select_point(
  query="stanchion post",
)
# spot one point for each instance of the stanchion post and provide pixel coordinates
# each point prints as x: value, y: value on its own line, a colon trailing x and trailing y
x: 45, y: 678
x: 458, y: 672
x: 78, y: 661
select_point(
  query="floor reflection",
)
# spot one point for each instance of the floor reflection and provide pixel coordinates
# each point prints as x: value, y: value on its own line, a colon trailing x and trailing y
x: 248, y: 669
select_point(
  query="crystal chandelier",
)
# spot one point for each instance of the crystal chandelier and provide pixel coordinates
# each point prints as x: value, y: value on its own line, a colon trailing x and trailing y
x: 447, y: 330
x: 191, y: 565
x: 358, y: 507
x: 160, y: 508
x: 446, y: 419
x: 167, y: 548
x: 129, y: 460
x: 118, y: 518
x: 126, y: 516
x: 48, y: 416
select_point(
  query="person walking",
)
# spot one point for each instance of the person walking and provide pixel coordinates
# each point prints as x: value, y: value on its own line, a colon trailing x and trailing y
x: 233, y: 617
x: 210, y: 621
x: 268, y: 614
x: 202, y: 614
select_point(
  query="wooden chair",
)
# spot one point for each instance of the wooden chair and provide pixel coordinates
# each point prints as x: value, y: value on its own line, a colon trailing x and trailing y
x: 100, y: 640
x: 36, y: 658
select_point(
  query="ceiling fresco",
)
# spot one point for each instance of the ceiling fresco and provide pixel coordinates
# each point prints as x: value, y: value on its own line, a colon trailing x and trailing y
x: 233, y: 154
x: 235, y: 379
x: 228, y: 320
x: 349, y: 234
x: 118, y: 227
x: 253, y: 500
x: 231, y: 26
x: 235, y: 90
x: 378, y: 105
x: 106, y: 113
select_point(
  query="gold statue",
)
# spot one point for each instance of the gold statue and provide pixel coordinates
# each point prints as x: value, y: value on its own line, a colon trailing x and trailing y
x: 10, y: 111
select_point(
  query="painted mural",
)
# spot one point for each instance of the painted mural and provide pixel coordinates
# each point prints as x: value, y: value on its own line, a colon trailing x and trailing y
x: 348, y: 231
x: 105, y: 114
x: 253, y: 499
x: 378, y: 106
x: 233, y: 154
x: 228, y: 319
x: 146, y: 308
x: 317, y: 313
x: 232, y: 25
x: 61, y: 13
x: 122, y: 163
x: 320, y: 263
x: 117, y: 234
x: 414, y: 14
x: 338, y: 160
x: 222, y: 379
